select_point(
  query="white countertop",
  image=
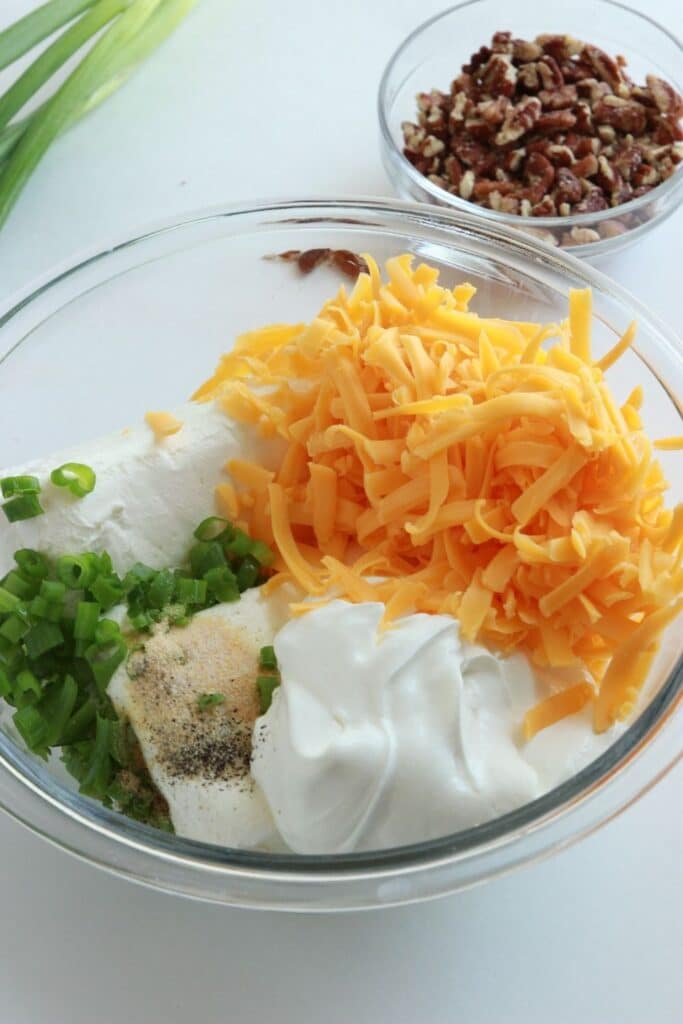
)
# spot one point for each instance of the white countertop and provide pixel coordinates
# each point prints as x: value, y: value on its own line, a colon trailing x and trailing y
x: 235, y: 108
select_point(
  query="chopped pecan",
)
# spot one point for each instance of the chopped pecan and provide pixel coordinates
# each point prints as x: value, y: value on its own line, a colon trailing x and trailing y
x: 528, y: 76
x: 592, y: 202
x: 502, y: 42
x: 454, y: 169
x: 498, y: 77
x: 557, y: 99
x: 666, y: 99
x: 559, y: 47
x: 556, y: 121
x: 582, y: 236
x: 549, y: 71
x: 466, y: 186
x: 559, y: 156
x: 623, y: 115
x: 627, y: 161
x: 519, y: 120
x: 645, y: 175
x: 586, y: 167
x: 605, y: 67
x: 584, y: 118
x: 607, y: 177
x: 544, y: 208
x: 524, y: 51
x: 611, y: 229
x: 568, y: 186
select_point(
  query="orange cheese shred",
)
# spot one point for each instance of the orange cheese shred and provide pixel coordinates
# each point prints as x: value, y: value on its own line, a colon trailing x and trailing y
x: 163, y: 424
x: 472, y: 466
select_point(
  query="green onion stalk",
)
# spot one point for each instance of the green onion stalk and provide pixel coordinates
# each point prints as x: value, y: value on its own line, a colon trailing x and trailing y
x: 126, y: 32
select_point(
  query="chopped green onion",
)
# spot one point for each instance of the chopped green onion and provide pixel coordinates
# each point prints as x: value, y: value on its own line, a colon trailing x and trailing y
x: 266, y: 686
x: 239, y: 545
x: 27, y: 682
x: 13, y: 485
x: 160, y: 591
x: 32, y: 728
x: 8, y: 602
x: 138, y: 573
x: 107, y: 652
x: 80, y: 722
x: 267, y: 657
x: 206, y: 555
x: 222, y: 584
x: 52, y: 590
x: 32, y: 563
x: 25, y: 506
x: 14, y: 628
x: 41, y: 608
x: 19, y: 585
x: 107, y: 591
x: 57, y: 708
x: 77, y: 572
x: 262, y: 553
x: 5, y: 685
x: 247, y: 573
x: 79, y: 478
x: 212, y: 528
x: 43, y: 637
x: 87, y: 618
x: 209, y: 700
x: 99, y: 771
x: 191, y: 591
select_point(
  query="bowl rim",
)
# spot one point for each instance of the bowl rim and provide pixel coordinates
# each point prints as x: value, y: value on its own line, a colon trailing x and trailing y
x: 672, y: 186
x: 74, y: 810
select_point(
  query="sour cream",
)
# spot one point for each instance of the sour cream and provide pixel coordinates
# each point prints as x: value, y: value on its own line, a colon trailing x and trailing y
x: 377, y: 739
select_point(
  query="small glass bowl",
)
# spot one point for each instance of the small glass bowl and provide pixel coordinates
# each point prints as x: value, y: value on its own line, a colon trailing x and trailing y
x: 140, y: 323
x: 432, y: 55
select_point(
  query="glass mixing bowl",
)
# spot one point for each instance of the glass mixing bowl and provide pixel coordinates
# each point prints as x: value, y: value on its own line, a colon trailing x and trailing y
x: 138, y: 326
x: 432, y: 55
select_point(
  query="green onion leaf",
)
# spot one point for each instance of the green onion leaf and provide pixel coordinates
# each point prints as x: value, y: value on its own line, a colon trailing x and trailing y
x: 160, y: 590
x: 55, y: 55
x: 24, y: 34
x: 206, y: 555
x: 11, y: 486
x: 123, y: 44
x: 267, y: 657
x: 79, y: 478
x: 53, y: 591
x: 209, y: 700
x: 266, y: 686
x: 79, y: 725
x: 24, y: 506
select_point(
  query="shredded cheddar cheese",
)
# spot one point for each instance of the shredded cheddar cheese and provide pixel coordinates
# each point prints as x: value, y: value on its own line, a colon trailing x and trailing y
x: 471, y: 466
x: 163, y: 424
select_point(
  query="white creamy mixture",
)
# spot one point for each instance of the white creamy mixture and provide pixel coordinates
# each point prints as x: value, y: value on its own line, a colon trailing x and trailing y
x: 199, y: 760
x: 149, y: 495
x: 372, y: 740
x: 379, y: 739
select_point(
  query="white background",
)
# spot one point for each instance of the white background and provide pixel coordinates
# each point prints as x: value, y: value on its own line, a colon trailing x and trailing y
x: 278, y: 98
